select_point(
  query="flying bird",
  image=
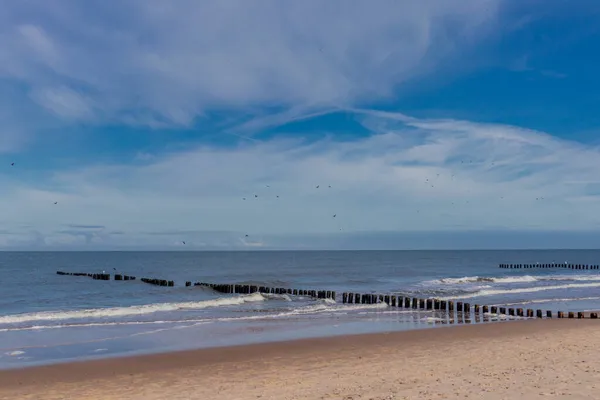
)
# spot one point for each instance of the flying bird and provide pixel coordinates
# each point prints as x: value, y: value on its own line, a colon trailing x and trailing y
x: 243, y: 198
x: 318, y: 186
x: 246, y: 235
x: 329, y: 186
x: 56, y: 202
x: 255, y: 196
x: 334, y: 215
x: 12, y: 164
x: 277, y: 196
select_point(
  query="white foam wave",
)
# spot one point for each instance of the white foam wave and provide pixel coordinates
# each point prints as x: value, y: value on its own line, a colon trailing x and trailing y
x: 131, y: 310
x: 513, y: 279
x: 272, y: 296
x: 562, y: 300
x: 495, y: 292
x: 328, y: 301
x: 15, y: 353
x: 313, y: 309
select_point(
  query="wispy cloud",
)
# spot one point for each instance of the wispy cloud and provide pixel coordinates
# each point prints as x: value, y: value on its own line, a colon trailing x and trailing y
x: 553, y: 74
x: 78, y: 226
x: 146, y: 62
x: 410, y: 175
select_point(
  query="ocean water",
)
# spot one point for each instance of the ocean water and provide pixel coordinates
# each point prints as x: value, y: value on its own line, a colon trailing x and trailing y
x: 46, y: 318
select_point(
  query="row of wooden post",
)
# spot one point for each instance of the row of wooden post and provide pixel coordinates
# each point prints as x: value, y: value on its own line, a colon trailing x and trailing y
x: 356, y: 298
x: 119, y: 277
x: 101, y: 277
x: 553, y: 265
x: 158, y: 282
x: 247, y: 289
x: 450, y: 306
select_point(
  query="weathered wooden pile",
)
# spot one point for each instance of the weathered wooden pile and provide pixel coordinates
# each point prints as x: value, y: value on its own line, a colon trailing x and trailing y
x: 119, y: 277
x: 247, y: 289
x: 158, y: 282
x: 450, y: 306
x: 101, y: 277
x: 552, y: 265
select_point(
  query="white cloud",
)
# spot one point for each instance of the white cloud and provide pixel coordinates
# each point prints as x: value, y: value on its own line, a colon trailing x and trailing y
x: 154, y: 63
x: 411, y: 175
x: 64, y: 102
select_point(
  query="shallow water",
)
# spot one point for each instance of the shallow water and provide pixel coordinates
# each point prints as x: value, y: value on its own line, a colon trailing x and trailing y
x: 46, y: 317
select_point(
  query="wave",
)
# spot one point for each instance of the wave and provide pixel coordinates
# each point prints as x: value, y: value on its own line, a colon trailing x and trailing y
x: 134, y: 310
x: 513, y: 279
x: 556, y: 300
x: 312, y: 309
x: 494, y: 292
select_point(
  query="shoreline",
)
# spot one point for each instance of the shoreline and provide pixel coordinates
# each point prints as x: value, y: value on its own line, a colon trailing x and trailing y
x: 214, y: 367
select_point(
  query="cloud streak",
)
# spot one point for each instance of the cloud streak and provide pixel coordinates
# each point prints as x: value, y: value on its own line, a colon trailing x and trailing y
x: 148, y: 63
x: 409, y: 175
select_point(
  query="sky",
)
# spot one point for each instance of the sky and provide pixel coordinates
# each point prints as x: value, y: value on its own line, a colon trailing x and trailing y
x: 144, y: 124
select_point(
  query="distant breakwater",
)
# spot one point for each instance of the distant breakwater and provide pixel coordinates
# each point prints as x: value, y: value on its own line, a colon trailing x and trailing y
x: 457, y: 309
x: 551, y: 265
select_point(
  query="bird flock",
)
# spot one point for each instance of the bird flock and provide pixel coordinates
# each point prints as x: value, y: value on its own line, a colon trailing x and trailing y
x: 255, y: 196
x: 428, y: 181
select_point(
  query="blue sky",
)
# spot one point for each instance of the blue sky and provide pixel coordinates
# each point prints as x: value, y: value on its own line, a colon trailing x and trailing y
x: 149, y: 122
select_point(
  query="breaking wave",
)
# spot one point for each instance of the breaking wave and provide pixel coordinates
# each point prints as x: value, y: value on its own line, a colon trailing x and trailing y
x: 134, y: 310
x: 513, y: 279
x: 495, y: 292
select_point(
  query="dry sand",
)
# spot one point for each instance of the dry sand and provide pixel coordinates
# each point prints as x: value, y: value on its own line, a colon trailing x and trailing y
x: 510, y: 360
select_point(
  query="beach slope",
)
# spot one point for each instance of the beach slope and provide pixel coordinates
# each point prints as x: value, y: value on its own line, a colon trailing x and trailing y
x: 514, y: 360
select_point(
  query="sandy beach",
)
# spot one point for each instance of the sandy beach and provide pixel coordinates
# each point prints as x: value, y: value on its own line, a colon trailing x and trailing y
x: 515, y: 360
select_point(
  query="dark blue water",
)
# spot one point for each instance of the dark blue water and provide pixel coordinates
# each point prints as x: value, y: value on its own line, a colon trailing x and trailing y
x: 46, y: 317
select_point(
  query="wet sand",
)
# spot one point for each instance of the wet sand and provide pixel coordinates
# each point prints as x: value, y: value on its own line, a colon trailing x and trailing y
x: 507, y: 360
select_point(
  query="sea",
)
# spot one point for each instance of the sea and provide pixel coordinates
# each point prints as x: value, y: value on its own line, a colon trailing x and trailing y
x: 49, y: 318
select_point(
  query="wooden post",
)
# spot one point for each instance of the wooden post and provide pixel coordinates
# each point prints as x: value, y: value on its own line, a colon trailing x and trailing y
x: 560, y: 314
x: 529, y: 313
x: 415, y: 303
x: 422, y: 304
x: 485, y: 309
x: 571, y: 315
x: 443, y: 305
x: 467, y: 308
x: 502, y: 310
x: 548, y: 314
x: 477, y: 309
x: 539, y: 314
x: 451, y: 306
x: 344, y: 298
x: 459, y: 306
x: 393, y: 301
x: 436, y: 304
x: 511, y: 312
x: 429, y: 304
x: 593, y: 315
x: 580, y: 315
x: 407, y: 302
x: 387, y: 300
